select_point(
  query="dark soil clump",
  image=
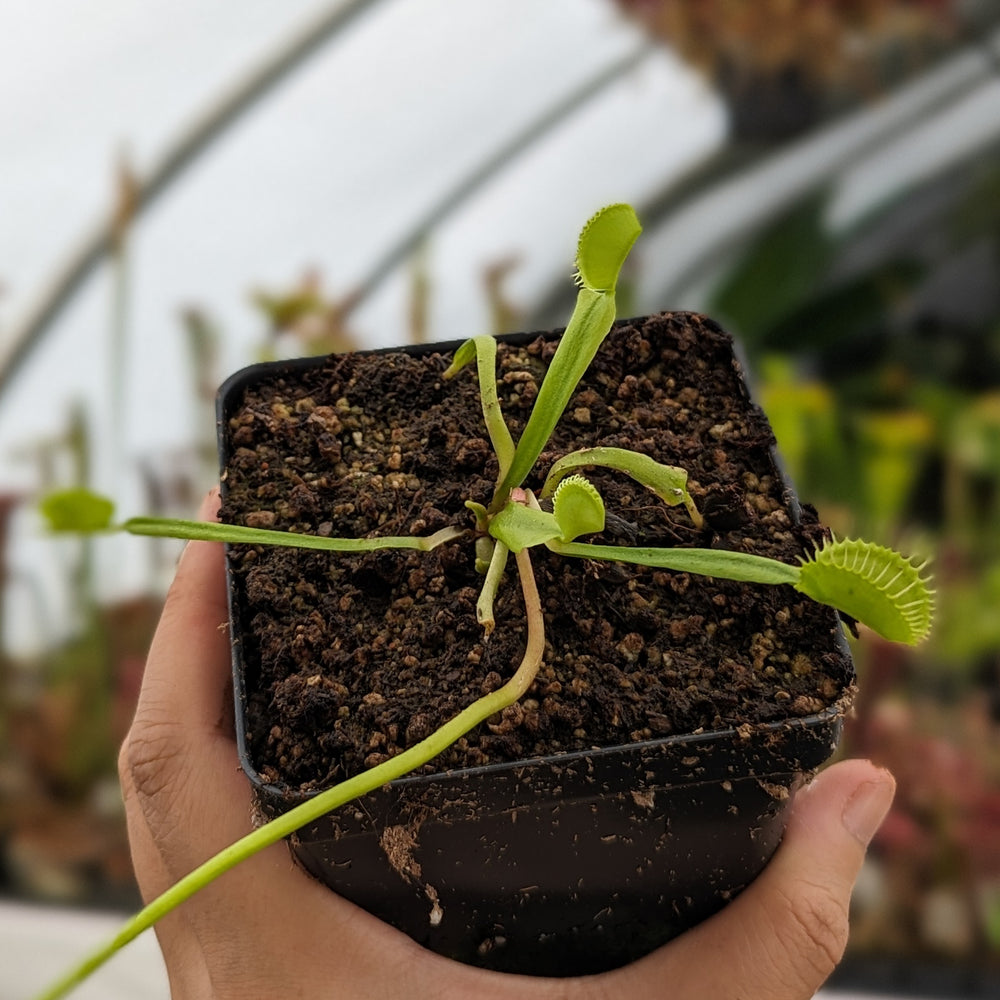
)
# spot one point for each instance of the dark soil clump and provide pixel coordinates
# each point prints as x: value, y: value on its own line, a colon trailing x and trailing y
x: 352, y: 658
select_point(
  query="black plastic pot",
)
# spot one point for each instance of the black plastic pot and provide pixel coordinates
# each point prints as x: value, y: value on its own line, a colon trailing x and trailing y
x: 569, y: 864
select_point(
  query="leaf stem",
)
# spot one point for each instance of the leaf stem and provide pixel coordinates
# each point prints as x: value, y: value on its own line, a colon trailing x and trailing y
x: 212, y: 531
x: 740, y: 566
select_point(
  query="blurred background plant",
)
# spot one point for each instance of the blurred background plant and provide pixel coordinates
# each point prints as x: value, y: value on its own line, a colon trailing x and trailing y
x: 786, y: 65
x: 823, y: 178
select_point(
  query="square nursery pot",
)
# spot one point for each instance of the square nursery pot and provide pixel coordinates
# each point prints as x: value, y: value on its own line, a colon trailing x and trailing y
x: 647, y: 776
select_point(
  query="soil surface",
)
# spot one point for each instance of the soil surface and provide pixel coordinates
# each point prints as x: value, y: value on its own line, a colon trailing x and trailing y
x: 352, y: 658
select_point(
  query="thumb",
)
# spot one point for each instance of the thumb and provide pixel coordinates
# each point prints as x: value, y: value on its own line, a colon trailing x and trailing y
x: 783, y: 936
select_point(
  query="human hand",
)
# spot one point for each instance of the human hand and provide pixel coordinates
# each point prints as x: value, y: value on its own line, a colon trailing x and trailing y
x: 267, y: 930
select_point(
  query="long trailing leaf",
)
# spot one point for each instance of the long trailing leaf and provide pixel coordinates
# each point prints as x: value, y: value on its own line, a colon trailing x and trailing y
x: 484, y: 348
x: 84, y: 512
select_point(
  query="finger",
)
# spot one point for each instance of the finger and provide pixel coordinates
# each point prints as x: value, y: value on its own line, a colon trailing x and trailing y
x: 188, y: 664
x: 186, y: 798
x: 180, y: 755
x: 783, y: 936
x: 182, y: 952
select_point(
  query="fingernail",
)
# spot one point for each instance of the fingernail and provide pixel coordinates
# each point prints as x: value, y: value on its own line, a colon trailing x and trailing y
x: 209, y: 508
x: 867, y: 807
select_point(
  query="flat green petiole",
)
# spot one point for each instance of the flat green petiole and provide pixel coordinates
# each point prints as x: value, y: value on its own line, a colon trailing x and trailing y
x: 211, y: 531
x: 871, y: 583
x: 741, y: 566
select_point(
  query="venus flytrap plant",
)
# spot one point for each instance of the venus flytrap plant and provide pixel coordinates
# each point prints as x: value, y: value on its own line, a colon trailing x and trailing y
x: 868, y: 582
